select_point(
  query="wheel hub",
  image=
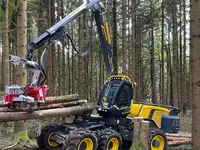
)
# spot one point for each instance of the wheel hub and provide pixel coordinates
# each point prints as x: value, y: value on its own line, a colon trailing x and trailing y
x: 113, y: 144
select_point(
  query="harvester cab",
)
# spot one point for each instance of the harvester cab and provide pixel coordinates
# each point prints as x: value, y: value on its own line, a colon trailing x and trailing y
x: 116, y: 97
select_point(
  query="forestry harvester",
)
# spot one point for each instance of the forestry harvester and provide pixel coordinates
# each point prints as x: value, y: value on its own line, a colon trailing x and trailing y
x: 112, y: 127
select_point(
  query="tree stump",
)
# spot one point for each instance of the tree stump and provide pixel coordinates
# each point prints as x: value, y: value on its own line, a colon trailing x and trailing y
x: 141, y: 134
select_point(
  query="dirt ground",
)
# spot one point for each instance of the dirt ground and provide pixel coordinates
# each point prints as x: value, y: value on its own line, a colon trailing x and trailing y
x: 34, y: 126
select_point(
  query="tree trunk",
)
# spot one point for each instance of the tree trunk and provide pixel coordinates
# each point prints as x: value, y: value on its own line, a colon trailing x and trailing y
x: 115, y: 53
x: 181, y: 58
x: 162, y: 56
x: 195, y: 71
x: 50, y: 66
x: 5, y: 74
x: 153, y: 75
x: 20, y: 129
x: 186, y: 102
x: 133, y: 43
x: 124, y: 37
x: 175, y: 55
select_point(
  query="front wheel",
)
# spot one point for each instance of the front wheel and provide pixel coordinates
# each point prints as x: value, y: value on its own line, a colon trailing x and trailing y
x: 110, y: 140
x: 80, y: 139
x: 44, y: 140
x: 157, y: 140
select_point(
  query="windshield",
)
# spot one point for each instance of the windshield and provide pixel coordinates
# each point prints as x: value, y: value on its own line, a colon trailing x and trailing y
x: 108, y: 92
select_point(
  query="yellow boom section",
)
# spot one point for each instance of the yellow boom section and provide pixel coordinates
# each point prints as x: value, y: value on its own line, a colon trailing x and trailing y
x: 107, y: 33
x: 147, y: 111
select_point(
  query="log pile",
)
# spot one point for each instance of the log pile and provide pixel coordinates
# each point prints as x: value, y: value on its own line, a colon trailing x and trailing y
x: 178, y: 139
x: 59, y: 106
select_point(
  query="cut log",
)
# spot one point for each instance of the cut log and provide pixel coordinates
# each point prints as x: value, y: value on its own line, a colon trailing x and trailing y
x: 50, y: 113
x: 5, y: 109
x: 61, y: 99
x: 55, y: 99
x: 60, y: 105
x: 181, y: 134
x: 179, y: 138
x: 50, y: 106
x: 3, y: 105
x: 169, y: 138
x: 180, y: 142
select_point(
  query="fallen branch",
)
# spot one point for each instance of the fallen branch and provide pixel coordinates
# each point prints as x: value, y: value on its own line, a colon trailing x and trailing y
x: 50, y: 113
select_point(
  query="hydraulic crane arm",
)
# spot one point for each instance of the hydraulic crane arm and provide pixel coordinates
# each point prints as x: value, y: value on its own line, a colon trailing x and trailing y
x: 56, y: 30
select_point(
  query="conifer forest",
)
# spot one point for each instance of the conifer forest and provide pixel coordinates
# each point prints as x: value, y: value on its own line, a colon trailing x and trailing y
x: 156, y: 43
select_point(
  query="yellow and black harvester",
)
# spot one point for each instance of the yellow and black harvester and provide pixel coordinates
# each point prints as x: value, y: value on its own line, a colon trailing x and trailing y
x: 112, y: 127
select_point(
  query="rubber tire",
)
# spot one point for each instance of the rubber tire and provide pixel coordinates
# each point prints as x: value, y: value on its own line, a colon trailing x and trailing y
x: 42, y: 140
x: 126, y: 145
x: 105, y: 137
x: 154, y: 132
x: 76, y: 136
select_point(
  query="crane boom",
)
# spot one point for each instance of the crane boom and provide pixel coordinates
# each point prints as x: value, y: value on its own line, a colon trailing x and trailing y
x: 102, y: 27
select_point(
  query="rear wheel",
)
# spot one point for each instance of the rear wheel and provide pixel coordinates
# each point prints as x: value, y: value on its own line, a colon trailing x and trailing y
x: 157, y: 140
x: 110, y: 140
x: 81, y: 139
x: 44, y: 140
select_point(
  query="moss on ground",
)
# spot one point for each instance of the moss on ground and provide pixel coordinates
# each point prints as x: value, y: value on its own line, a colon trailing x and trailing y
x: 137, y: 144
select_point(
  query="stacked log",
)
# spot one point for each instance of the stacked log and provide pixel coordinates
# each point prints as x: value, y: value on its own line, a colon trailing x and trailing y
x: 178, y: 139
x: 59, y: 106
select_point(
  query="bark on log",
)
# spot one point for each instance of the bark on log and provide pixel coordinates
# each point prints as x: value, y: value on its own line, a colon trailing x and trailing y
x: 180, y: 142
x: 176, y: 138
x: 60, y: 105
x: 5, y: 109
x: 3, y: 105
x: 61, y: 99
x: 50, y: 106
x: 55, y: 99
x: 50, y: 113
x: 186, y: 135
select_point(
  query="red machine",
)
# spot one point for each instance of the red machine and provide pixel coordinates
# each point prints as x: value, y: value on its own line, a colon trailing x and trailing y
x: 22, y: 98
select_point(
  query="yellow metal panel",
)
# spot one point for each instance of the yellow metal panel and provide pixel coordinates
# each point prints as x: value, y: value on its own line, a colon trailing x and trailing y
x: 157, y: 116
x: 135, y: 108
x: 107, y: 33
x: 144, y: 111
x: 121, y: 77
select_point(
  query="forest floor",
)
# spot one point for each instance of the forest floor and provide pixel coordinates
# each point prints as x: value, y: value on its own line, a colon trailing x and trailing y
x: 185, y: 126
x: 6, y: 130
